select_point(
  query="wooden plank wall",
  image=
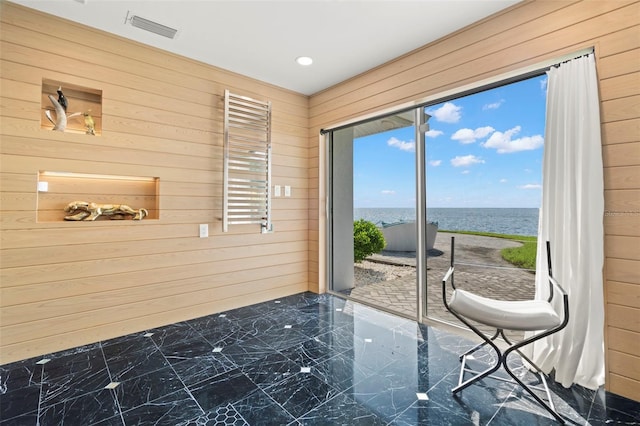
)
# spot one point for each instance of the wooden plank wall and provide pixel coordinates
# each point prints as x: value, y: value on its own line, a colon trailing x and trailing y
x: 65, y: 284
x: 523, y: 35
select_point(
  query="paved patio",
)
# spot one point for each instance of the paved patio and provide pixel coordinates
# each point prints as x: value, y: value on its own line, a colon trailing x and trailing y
x: 479, y: 268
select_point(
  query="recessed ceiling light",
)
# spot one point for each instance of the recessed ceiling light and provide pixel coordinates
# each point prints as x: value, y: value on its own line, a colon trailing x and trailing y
x: 304, y: 60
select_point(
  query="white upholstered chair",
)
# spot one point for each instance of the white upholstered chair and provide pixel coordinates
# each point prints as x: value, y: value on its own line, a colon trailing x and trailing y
x: 538, y: 316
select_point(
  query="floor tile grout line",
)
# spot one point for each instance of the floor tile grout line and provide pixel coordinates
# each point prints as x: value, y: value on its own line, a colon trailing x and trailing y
x: 112, y: 391
x: 186, y: 388
x: 40, y: 395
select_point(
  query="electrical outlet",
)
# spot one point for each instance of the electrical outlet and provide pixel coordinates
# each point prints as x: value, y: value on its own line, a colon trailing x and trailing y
x: 287, y: 191
x: 43, y: 186
x: 276, y: 191
x: 204, y: 230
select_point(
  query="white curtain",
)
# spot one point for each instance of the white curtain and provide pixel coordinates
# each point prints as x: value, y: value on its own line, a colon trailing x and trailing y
x: 571, y: 218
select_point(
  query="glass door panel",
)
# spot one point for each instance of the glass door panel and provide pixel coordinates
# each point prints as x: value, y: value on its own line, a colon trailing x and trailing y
x: 373, y: 179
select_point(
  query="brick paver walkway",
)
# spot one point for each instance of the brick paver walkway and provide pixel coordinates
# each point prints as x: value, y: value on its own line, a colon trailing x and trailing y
x: 496, y: 278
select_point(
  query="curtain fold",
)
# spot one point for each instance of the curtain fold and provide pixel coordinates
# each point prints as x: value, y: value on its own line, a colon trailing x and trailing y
x: 571, y: 218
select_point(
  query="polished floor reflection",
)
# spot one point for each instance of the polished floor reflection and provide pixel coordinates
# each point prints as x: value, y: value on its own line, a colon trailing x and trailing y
x: 301, y: 360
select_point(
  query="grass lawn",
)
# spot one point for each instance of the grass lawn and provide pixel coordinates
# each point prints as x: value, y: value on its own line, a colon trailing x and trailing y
x: 522, y: 257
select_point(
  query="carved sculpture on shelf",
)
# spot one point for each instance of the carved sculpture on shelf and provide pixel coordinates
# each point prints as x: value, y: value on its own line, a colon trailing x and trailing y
x: 82, y: 210
x: 89, y: 123
x: 60, y: 107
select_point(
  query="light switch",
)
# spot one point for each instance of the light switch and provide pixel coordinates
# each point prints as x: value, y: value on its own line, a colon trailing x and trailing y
x: 276, y: 191
x: 287, y: 191
x: 43, y: 186
x: 204, y: 230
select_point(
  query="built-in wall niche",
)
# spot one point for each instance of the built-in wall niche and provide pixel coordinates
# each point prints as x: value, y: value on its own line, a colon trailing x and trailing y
x: 84, y: 107
x: 57, y: 189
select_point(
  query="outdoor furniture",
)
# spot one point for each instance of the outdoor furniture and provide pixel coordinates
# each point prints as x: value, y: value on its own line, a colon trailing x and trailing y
x: 528, y: 315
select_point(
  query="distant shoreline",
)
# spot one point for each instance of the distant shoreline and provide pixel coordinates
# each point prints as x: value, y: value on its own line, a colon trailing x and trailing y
x: 498, y: 220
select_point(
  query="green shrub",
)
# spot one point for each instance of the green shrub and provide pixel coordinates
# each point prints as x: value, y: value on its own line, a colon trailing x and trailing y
x: 367, y: 239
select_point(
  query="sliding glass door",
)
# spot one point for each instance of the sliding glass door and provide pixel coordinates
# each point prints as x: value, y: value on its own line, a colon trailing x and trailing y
x: 481, y: 168
x: 375, y: 186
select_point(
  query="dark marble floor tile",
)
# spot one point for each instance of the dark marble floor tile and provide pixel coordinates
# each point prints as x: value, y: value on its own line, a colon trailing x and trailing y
x: 19, y: 401
x: 258, y: 326
x: 318, y: 312
x: 370, y: 355
x: 270, y: 370
x: 247, y: 352
x: 430, y: 413
x: 341, y: 410
x: 173, y: 334
x: 341, y: 372
x: 72, y: 375
x: 147, y: 388
x: 284, y: 339
x: 301, y: 393
x: 221, y: 390
x: 219, y: 330
x: 22, y: 420
x: 189, y: 349
x: 174, y: 409
x: 242, y: 313
x: 613, y: 409
x: 19, y: 375
x: 303, y: 359
x: 73, y: 351
x: 477, y: 403
x: 130, y: 342
x: 87, y: 409
x: 192, y: 371
x: 220, y: 416
x: 523, y: 410
x: 258, y: 409
x: 340, y: 340
x: 310, y: 352
x: 127, y: 363
x: 388, y: 393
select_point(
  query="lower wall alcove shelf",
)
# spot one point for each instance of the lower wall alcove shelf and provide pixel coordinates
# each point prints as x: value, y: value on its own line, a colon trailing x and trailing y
x: 57, y: 189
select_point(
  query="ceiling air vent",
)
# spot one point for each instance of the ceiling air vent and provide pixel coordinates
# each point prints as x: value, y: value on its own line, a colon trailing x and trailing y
x: 151, y: 26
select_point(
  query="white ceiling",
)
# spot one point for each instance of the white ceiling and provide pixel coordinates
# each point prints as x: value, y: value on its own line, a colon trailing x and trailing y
x: 261, y: 39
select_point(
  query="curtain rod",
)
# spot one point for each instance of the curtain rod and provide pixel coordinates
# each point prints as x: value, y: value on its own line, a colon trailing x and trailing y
x: 507, y: 78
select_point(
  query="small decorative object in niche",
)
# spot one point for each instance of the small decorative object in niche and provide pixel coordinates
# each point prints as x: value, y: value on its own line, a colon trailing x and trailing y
x: 60, y: 105
x: 82, y: 210
x: 71, y: 108
x: 89, y: 123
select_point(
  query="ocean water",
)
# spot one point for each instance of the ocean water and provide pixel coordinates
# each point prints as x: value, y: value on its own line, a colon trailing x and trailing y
x: 516, y: 221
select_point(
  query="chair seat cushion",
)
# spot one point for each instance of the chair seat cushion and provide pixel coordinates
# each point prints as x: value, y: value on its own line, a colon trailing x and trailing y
x: 527, y: 315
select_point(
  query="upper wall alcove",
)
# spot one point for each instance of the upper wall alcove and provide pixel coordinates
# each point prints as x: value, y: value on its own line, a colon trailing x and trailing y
x: 84, y: 107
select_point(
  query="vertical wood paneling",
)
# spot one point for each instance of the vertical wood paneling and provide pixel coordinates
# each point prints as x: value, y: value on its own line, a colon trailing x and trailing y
x: 523, y: 35
x: 65, y: 284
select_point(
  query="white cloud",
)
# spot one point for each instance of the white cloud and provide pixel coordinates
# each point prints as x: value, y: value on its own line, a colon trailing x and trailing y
x: 466, y: 160
x: 388, y: 192
x: 494, y: 105
x: 447, y: 113
x: 466, y: 172
x: 467, y: 136
x: 432, y: 133
x: 503, y: 144
x: 531, y: 186
x: 435, y: 163
x: 503, y: 181
x: 402, y: 145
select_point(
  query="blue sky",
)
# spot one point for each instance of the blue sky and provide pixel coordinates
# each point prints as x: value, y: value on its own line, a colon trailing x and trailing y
x: 483, y: 150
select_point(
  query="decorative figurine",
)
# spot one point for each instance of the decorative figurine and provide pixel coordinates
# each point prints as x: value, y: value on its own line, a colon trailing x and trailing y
x: 60, y: 122
x: 89, y: 124
x: 62, y: 100
x: 82, y: 210
x: 60, y: 106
